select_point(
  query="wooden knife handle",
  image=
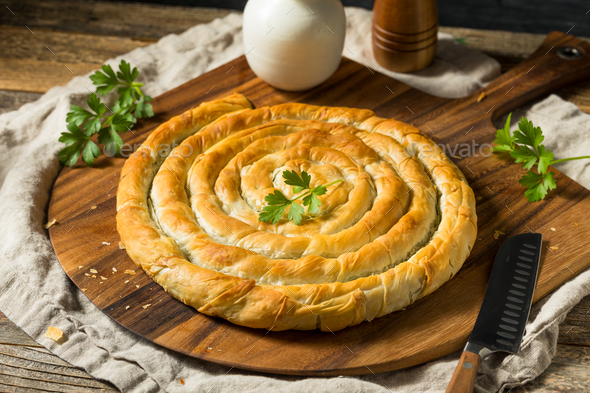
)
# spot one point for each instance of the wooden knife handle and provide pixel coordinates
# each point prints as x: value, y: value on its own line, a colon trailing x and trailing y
x: 464, y: 376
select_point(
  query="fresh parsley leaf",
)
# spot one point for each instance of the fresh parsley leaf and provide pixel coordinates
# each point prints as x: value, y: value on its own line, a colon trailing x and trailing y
x: 78, y: 115
x: 106, y: 81
x: 69, y: 155
x: 272, y: 213
x: 111, y: 139
x: 312, y: 202
x: 144, y: 108
x: 74, y: 140
x: 545, y: 158
x: 302, y: 182
x: 95, y: 104
x: 92, y: 126
x: 75, y: 135
x: 90, y: 152
x: 122, y: 123
x: 525, y: 155
x: 295, y: 212
x: 537, y: 185
x: 277, y: 198
x: 125, y: 73
x: 320, y: 190
x: 125, y: 96
x: 504, y: 140
x: 527, y: 134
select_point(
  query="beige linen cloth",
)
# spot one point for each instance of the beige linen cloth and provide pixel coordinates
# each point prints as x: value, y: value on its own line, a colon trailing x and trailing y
x: 35, y: 292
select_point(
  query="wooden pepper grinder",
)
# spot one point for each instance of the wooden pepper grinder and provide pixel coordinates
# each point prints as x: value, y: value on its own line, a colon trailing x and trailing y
x: 404, y: 33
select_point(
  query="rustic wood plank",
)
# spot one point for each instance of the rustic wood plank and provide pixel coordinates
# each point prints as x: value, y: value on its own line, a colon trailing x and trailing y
x: 12, y: 100
x: 107, y: 18
x: 10, y: 334
x: 569, y: 371
x: 575, y: 330
x: 26, y: 365
x: 37, y: 61
x: 37, y: 74
x: 30, y: 368
x: 63, y: 47
x: 8, y: 381
x: 37, y: 354
x: 29, y: 66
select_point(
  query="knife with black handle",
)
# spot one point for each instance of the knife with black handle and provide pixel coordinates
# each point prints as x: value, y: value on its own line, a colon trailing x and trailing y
x: 505, y: 309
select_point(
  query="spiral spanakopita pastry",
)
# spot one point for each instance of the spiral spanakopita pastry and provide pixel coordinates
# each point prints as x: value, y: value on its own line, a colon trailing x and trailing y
x: 399, y: 224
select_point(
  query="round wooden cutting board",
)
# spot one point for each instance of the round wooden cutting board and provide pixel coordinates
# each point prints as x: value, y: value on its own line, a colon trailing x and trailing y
x: 87, y: 243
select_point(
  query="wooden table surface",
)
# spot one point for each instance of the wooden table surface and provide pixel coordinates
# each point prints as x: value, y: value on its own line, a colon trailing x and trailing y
x: 45, y: 43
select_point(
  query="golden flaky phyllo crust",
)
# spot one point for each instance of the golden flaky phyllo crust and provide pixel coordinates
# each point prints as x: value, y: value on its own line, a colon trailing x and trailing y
x: 399, y: 225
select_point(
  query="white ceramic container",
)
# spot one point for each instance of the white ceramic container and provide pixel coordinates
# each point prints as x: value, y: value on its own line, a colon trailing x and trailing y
x: 294, y: 44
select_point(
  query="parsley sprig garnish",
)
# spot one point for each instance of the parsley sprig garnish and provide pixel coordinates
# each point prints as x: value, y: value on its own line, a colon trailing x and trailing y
x: 131, y: 105
x: 526, y: 148
x: 278, y: 202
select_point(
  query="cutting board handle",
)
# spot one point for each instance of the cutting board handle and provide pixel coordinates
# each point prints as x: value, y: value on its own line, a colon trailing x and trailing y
x: 560, y: 60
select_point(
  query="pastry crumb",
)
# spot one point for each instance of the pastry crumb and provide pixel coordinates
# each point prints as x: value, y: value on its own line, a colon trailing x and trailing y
x: 554, y: 248
x: 93, y: 276
x: 182, y: 381
x: 106, y: 243
x: 55, y: 334
x: 147, y: 305
x: 576, y: 224
x: 93, y: 207
x: 93, y: 271
x: 481, y: 97
x: 137, y: 286
x: 208, y: 349
x: 103, y: 278
x: 86, y: 274
x: 84, y: 289
x: 80, y: 267
x: 50, y: 224
x: 126, y: 281
x: 127, y: 307
x: 553, y: 229
x: 497, y: 234
x: 100, y: 282
x: 121, y: 246
x: 131, y: 272
x: 478, y: 198
x: 457, y: 157
x: 114, y: 270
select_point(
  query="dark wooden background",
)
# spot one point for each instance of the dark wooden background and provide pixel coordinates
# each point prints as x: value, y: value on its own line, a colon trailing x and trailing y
x: 83, y: 34
x: 531, y: 16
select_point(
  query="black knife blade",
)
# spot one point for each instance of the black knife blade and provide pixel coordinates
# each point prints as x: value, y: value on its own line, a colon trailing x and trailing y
x: 507, y: 302
x: 505, y: 309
